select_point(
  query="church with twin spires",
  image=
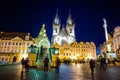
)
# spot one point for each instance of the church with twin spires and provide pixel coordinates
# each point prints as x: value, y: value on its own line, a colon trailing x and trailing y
x: 62, y: 34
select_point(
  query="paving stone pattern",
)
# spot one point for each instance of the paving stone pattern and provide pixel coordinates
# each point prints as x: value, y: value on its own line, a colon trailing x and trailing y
x: 66, y: 72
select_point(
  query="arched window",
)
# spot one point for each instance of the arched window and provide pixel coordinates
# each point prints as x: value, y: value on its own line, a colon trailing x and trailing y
x: 56, y: 30
x: 70, y: 30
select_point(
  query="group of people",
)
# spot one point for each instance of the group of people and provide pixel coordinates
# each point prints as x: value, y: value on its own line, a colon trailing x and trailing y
x: 103, y: 64
x: 25, y: 64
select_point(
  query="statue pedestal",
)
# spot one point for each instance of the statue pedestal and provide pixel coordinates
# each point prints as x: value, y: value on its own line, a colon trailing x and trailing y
x: 40, y: 64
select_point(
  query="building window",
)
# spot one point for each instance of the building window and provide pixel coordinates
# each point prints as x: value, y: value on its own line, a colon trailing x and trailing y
x: 19, y: 43
x: 5, y: 43
x: 2, y: 43
x: 13, y: 43
x: 27, y: 44
x: 56, y: 30
x: 16, y: 43
x: 70, y: 30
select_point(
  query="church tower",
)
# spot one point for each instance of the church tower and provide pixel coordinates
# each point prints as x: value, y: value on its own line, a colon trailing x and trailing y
x: 70, y: 25
x: 56, y: 25
x: 63, y: 34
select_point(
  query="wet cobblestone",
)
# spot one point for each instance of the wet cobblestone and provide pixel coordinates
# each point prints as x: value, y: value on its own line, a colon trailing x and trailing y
x: 67, y: 72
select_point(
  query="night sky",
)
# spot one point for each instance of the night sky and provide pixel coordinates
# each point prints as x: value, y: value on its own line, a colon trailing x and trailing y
x: 29, y: 15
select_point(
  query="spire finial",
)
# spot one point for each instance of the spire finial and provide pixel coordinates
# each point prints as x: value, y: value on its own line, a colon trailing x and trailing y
x: 69, y: 12
x: 56, y: 20
x: 43, y: 25
x: 105, y: 22
x: 57, y: 11
x: 69, y: 20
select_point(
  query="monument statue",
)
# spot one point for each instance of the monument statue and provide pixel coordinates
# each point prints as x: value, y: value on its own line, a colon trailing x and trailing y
x: 105, y: 28
x: 109, y: 53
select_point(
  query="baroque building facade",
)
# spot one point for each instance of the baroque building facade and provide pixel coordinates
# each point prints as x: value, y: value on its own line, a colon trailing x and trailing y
x: 116, y: 41
x: 14, y: 45
x: 64, y: 39
x: 76, y: 51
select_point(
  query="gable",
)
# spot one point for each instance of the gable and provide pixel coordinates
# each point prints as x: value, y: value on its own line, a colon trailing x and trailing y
x: 17, y: 39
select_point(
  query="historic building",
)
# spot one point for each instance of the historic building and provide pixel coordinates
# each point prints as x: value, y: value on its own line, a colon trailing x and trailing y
x: 76, y: 51
x: 107, y: 50
x: 62, y: 34
x: 116, y: 41
x: 64, y: 39
x: 103, y: 47
x: 14, y: 45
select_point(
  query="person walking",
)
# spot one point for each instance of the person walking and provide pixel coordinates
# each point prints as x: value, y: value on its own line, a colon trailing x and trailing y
x: 46, y: 62
x: 23, y: 64
x: 103, y: 64
x: 27, y: 64
x: 92, y: 65
x: 57, y: 65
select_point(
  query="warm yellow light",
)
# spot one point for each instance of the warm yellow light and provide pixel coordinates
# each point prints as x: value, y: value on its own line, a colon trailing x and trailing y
x: 73, y: 57
x: 89, y: 56
x: 24, y: 55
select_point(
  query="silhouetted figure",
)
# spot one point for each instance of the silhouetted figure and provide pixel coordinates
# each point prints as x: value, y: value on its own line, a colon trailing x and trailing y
x: 103, y: 64
x: 58, y: 64
x: 113, y: 62
x: 14, y: 59
x: 92, y: 65
x: 46, y: 64
x: 27, y: 64
x: 23, y: 64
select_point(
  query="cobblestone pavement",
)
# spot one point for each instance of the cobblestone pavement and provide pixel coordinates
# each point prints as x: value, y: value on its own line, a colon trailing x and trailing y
x: 67, y: 72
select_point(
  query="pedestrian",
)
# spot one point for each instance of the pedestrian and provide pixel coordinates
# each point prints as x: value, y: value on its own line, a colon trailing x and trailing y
x: 92, y: 65
x: 23, y: 64
x: 46, y: 62
x: 113, y: 61
x: 106, y: 62
x: 27, y: 64
x: 57, y: 65
x: 103, y: 64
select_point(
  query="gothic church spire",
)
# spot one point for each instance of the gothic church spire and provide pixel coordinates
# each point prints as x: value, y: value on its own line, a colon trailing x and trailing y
x: 69, y: 20
x: 56, y: 20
